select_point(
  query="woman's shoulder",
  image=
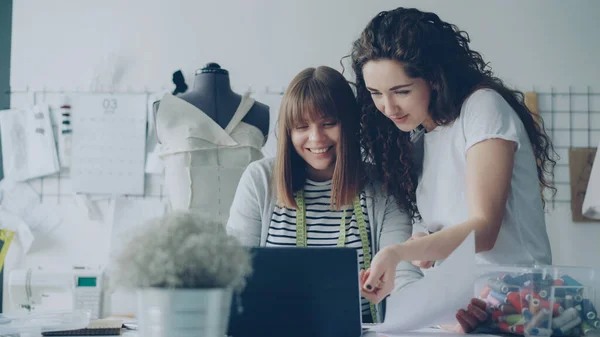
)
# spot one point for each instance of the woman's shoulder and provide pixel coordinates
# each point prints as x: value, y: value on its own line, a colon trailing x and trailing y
x: 259, y: 172
x: 264, y: 165
x: 483, y: 95
x: 484, y: 100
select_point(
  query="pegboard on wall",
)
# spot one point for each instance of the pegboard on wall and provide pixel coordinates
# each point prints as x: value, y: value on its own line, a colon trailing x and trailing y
x: 572, y: 121
x: 55, y: 188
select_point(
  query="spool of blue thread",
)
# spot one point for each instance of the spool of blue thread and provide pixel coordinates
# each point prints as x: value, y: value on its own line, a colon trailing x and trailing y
x: 540, y: 332
x: 500, y: 297
x: 589, y: 310
x: 569, y: 281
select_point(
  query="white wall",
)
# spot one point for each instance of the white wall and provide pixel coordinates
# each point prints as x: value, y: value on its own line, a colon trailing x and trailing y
x: 75, y: 44
x: 60, y: 43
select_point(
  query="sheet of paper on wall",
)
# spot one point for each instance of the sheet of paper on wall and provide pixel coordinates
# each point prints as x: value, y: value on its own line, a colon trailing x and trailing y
x: 591, y: 201
x: 581, y: 162
x: 14, y: 223
x: 21, y: 200
x: 154, y: 164
x: 128, y: 216
x: 435, y: 299
x: 109, y: 143
x: 28, y: 146
x: 90, y: 207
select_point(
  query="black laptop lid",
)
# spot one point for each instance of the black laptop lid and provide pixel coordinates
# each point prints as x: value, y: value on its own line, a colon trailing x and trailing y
x: 307, y: 292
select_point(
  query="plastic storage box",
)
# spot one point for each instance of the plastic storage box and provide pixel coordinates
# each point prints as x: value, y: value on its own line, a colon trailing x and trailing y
x: 540, y: 301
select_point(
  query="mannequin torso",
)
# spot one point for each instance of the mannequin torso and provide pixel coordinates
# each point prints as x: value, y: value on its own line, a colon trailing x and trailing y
x: 212, y: 94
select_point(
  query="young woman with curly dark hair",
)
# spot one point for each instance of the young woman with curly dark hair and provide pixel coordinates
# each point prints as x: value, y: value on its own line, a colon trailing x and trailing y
x: 485, y: 156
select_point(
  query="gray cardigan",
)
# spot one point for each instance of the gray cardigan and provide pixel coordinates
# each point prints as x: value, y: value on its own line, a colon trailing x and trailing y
x: 254, y: 203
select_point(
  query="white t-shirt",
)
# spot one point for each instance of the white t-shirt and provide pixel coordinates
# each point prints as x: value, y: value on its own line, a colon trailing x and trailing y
x: 441, y: 192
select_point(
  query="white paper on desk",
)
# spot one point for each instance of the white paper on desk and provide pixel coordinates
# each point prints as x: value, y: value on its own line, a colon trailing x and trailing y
x: 21, y: 200
x: 128, y: 216
x: 435, y: 299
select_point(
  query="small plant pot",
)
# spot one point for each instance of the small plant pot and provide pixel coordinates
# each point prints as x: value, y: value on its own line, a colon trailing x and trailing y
x: 163, y: 312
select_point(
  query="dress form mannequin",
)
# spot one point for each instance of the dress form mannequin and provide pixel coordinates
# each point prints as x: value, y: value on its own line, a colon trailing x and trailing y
x: 211, y: 93
x: 208, y: 136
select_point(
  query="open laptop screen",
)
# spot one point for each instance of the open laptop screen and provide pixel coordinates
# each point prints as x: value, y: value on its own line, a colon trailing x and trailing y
x: 300, y: 292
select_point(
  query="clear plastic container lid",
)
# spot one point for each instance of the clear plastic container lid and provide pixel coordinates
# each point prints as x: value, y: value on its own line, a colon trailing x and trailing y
x: 35, y: 323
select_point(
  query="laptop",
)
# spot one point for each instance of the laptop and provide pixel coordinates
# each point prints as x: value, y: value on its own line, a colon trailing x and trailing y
x: 299, y: 292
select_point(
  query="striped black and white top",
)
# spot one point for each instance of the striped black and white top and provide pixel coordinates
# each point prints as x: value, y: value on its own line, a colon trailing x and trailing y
x: 322, y: 226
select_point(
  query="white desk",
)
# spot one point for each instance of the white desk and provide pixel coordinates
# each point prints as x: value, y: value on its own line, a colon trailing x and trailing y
x: 124, y: 333
x: 418, y: 333
x: 428, y: 332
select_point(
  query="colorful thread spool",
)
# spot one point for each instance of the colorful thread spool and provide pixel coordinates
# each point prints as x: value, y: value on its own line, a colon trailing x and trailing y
x: 500, y: 297
x: 515, y: 299
x: 540, y: 332
x: 498, y: 285
x: 566, y: 317
x: 569, y: 301
x: 539, y: 318
x: 485, y: 291
x: 587, y: 329
x: 492, y: 301
x: 569, y: 281
x: 589, y: 310
x: 570, y: 325
x: 497, y: 314
x: 534, y: 306
x: 508, y: 309
x: 511, y: 319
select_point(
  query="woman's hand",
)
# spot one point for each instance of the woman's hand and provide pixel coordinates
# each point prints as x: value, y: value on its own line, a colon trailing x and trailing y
x: 377, y: 282
x: 419, y: 263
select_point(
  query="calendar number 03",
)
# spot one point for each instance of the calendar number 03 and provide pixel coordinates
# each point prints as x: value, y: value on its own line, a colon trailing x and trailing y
x: 109, y: 104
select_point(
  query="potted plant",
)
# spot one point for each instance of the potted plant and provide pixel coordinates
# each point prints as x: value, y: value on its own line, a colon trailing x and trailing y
x: 185, y: 269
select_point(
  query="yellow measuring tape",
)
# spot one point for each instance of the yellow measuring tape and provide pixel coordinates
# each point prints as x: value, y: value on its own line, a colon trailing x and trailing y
x: 301, y: 236
x: 6, y: 237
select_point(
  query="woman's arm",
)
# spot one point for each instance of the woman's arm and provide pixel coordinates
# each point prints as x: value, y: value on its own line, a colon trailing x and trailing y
x: 396, y: 228
x: 245, y: 214
x: 489, y: 173
x: 488, y: 178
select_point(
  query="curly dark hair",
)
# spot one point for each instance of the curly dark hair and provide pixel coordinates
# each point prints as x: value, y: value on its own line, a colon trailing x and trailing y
x: 439, y: 53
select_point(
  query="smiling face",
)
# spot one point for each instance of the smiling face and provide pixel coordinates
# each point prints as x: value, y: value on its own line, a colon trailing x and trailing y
x: 316, y: 142
x: 318, y: 137
x: 402, y: 99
